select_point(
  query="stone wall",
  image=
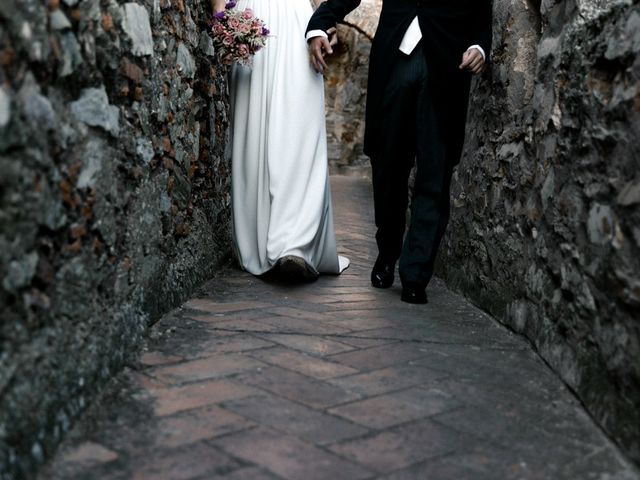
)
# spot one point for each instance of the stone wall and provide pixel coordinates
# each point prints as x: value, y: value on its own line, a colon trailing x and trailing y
x: 545, y: 231
x: 113, y: 196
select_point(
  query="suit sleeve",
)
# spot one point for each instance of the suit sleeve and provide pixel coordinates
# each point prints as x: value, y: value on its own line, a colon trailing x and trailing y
x: 331, y: 12
x: 483, y: 33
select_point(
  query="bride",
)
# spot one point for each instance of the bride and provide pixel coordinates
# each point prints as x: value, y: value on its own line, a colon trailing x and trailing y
x: 281, y: 200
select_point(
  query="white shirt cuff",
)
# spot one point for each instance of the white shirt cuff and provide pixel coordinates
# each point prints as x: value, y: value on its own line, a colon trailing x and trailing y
x: 480, y: 49
x: 316, y: 33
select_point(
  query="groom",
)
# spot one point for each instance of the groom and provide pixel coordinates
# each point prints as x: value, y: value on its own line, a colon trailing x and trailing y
x: 422, y: 58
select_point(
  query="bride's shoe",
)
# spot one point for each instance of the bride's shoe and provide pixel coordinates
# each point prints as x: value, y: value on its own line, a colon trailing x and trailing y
x: 291, y: 268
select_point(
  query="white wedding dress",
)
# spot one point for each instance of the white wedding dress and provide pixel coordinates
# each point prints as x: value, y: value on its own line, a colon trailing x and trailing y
x: 281, y: 199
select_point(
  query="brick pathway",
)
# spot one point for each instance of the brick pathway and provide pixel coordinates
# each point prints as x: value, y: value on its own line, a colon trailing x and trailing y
x: 335, y: 380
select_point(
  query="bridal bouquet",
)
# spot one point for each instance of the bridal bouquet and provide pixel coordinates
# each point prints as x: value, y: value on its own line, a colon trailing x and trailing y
x: 238, y: 35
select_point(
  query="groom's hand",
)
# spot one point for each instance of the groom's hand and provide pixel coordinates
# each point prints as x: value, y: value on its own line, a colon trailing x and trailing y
x: 319, y: 47
x: 472, y: 61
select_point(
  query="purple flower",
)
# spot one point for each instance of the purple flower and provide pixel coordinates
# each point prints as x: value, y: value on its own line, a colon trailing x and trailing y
x: 265, y: 31
x: 230, y: 5
x: 220, y: 15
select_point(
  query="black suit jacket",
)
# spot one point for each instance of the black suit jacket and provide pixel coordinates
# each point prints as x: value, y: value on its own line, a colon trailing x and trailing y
x: 448, y: 28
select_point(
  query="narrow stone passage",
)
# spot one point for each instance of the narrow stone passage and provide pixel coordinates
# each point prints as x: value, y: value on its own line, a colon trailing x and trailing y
x: 335, y: 380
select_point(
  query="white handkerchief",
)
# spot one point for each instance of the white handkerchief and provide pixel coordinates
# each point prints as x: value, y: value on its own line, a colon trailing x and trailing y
x: 411, y: 37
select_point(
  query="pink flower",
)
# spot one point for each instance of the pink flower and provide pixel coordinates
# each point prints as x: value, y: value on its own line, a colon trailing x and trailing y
x: 243, y: 51
x: 244, y: 28
x: 247, y: 14
x: 234, y: 23
x: 227, y: 40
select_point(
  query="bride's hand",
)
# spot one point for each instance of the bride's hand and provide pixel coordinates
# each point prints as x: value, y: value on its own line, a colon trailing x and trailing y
x: 218, y: 5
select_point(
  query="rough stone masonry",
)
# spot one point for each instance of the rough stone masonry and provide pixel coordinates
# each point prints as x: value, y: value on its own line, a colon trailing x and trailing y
x: 545, y: 232
x: 113, y: 196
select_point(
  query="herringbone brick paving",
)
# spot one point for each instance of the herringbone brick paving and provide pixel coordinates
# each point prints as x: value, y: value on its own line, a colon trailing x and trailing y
x: 335, y: 380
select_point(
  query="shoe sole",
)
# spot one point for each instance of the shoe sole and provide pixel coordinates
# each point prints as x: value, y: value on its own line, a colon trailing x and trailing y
x: 294, y: 269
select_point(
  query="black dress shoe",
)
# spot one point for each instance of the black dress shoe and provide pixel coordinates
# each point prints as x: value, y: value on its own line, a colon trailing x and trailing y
x: 412, y: 293
x: 382, y: 273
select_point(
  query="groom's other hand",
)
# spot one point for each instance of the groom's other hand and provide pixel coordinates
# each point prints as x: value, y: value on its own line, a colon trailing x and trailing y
x: 472, y: 61
x: 319, y: 47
